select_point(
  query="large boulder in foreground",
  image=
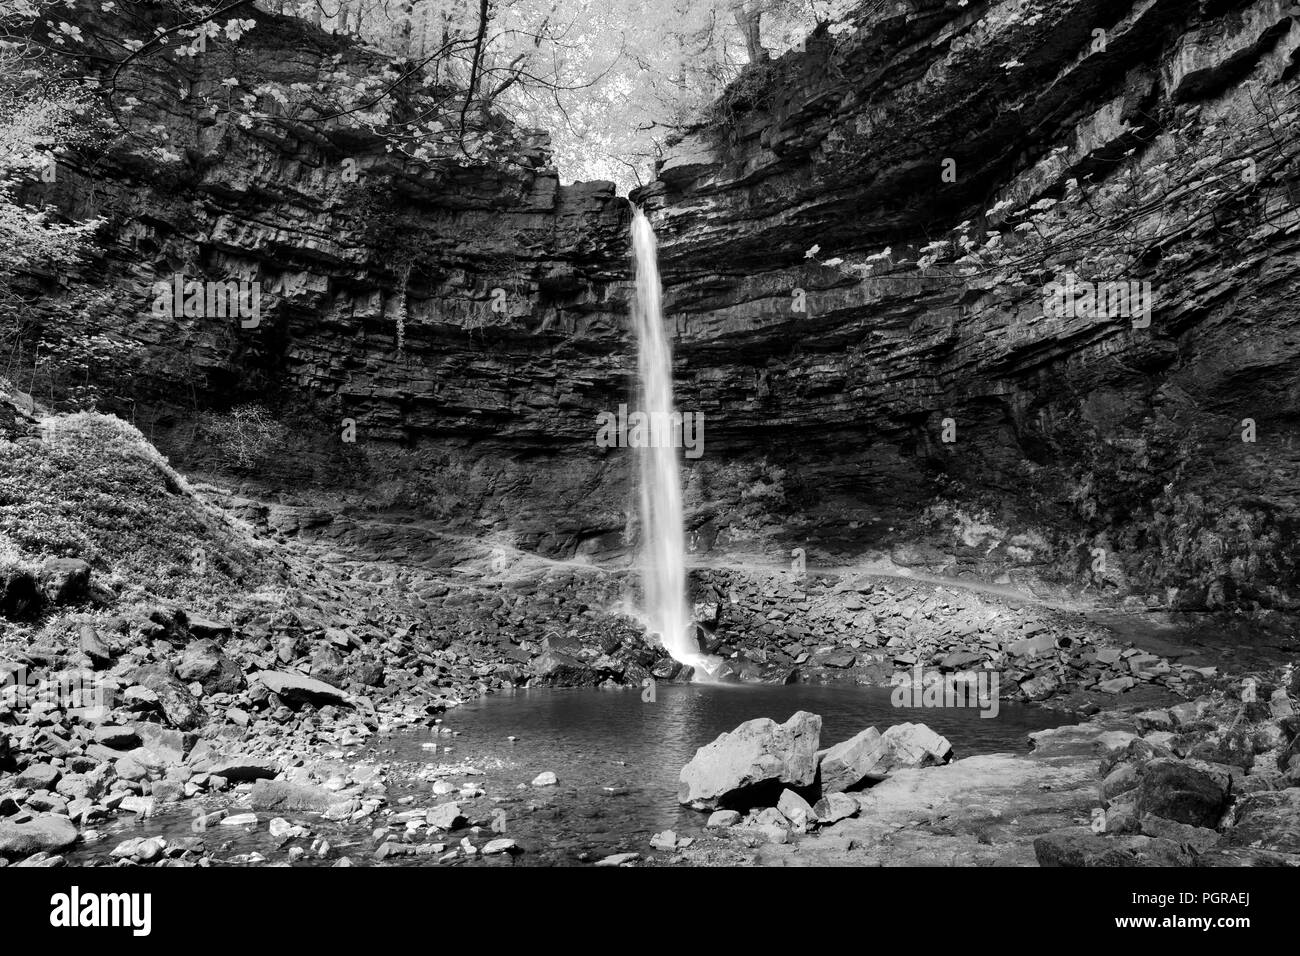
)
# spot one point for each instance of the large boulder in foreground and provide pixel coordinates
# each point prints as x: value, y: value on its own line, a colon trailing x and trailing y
x: 756, y: 755
x: 1185, y: 791
x: 44, y: 832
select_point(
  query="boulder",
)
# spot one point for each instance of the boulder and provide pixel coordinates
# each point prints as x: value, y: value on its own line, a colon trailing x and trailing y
x: 181, y: 708
x: 294, y: 688
x: 39, y: 776
x: 165, y: 744
x: 558, y: 667
x: 1270, y: 819
x: 64, y: 580
x: 19, y: 595
x: 915, y: 745
x: 1184, y: 791
x: 239, y: 768
x: 849, y: 763
x: 204, y: 661
x: 796, y: 809
x: 1082, y: 848
x: 285, y: 796
x: 43, y: 833
x: 445, y: 816
x: 758, y: 753
x: 835, y: 807
x: 117, y: 738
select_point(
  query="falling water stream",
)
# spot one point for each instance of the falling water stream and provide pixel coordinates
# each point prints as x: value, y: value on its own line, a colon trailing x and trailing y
x: 663, y: 559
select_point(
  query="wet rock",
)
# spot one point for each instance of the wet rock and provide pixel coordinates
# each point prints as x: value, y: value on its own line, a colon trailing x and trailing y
x: 140, y: 849
x: 43, y: 833
x: 1183, y: 791
x: 758, y: 752
x: 560, y: 668
x: 239, y: 820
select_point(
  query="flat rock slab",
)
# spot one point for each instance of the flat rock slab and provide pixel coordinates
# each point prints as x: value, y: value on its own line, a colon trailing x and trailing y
x: 299, y: 688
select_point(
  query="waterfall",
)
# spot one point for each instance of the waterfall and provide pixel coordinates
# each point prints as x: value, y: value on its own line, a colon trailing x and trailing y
x: 663, y: 558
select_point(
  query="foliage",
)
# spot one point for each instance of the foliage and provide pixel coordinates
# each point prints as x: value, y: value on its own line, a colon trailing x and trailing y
x: 247, y: 435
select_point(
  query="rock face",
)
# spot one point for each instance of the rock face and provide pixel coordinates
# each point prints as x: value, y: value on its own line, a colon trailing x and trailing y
x: 759, y: 752
x: 379, y: 293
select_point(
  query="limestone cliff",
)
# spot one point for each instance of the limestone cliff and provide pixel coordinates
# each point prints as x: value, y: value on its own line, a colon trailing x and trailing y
x: 1127, y: 123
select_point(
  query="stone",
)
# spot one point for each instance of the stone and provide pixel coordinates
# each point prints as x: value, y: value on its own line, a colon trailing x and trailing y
x: 719, y: 819
x: 1183, y: 791
x: 915, y: 745
x: 860, y: 758
x: 667, y: 840
x: 20, y: 597
x: 93, y: 647
x: 796, y: 809
x: 241, y: 768
x: 181, y: 708
x: 280, y: 795
x: 557, y: 667
x: 545, y: 779
x: 128, y: 768
x: 204, y: 661
x: 43, y: 833
x: 1231, y: 747
x: 835, y: 807
x: 1116, y: 685
x: 618, y: 859
x: 1082, y: 848
x: 39, y: 776
x: 117, y: 738
x: 758, y: 752
x: 501, y: 845
x: 1199, y: 839
x: 296, y: 688
x: 64, y: 580
x: 445, y: 816
x: 163, y: 743
x: 1270, y: 819
x: 240, y: 820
